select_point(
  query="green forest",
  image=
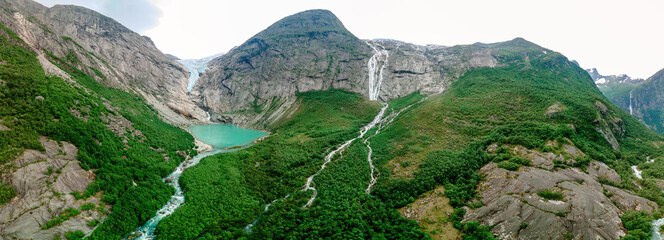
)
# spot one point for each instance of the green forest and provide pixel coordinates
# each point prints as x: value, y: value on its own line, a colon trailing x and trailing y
x: 445, y: 137
x: 438, y: 140
x: 116, y: 164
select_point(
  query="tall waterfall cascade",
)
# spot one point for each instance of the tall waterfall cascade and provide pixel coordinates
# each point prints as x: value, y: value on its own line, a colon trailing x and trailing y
x: 376, y: 66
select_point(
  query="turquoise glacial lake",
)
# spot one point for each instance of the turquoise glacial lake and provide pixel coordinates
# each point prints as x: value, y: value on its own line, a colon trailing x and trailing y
x: 223, y: 136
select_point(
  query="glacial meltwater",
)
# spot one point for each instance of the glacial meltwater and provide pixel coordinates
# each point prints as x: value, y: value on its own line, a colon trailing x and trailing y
x: 224, y: 138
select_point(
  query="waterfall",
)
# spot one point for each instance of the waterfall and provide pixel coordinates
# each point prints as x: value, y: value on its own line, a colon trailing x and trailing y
x: 631, y: 112
x: 208, y: 115
x: 376, y: 77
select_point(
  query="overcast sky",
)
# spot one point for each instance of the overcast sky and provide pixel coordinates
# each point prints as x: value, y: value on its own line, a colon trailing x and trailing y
x: 613, y: 36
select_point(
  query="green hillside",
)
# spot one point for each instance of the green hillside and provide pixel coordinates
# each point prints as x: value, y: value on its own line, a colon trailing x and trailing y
x: 33, y: 104
x: 532, y: 98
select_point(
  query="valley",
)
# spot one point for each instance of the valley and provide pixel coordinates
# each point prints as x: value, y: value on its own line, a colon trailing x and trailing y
x: 305, y: 131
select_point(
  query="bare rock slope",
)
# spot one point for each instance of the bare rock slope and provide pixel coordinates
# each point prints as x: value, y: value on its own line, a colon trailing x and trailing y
x: 104, y: 49
x: 589, y: 208
x: 44, y: 182
x: 312, y: 50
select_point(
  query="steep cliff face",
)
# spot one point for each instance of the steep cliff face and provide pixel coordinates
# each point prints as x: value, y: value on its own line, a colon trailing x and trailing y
x: 615, y: 87
x: 646, y: 102
x: 312, y: 50
x: 103, y: 48
x: 307, y: 51
x: 641, y: 98
x: 76, y: 128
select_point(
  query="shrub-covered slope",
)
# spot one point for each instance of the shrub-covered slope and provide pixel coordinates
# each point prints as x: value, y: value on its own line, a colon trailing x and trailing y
x: 120, y: 138
x: 544, y: 104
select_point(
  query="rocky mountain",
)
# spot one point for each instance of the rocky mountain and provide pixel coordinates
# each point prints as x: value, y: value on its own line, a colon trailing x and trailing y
x: 641, y: 98
x: 602, y: 80
x: 83, y: 138
x: 370, y: 139
x: 615, y: 87
x: 104, y: 49
x: 505, y: 139
x: 312, y: 50
x: 646, y: 102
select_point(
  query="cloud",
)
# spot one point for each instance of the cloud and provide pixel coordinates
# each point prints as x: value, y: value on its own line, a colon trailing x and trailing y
x: 137, y: 15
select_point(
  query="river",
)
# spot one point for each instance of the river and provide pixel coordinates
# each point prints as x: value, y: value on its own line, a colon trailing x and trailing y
x: 224, y: 138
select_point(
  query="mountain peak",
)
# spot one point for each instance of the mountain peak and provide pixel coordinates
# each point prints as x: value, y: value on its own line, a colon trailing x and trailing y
x: 305, y: 23
x: 519, y: 43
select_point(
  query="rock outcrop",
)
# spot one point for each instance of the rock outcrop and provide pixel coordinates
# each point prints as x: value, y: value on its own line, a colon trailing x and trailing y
x: 105, y: 50
x: 44, y: 183
x: 312, y: 50
x: 609, y: 125
x: 588, y: 209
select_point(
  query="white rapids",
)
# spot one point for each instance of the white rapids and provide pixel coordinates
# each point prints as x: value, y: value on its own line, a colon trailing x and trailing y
x: 376, y: 77
x: 379, y: 122
x: 146, y: 232
x: 637, y: 172
x: 657, y: 229
x: 251, y: 225
x: 658, y: 223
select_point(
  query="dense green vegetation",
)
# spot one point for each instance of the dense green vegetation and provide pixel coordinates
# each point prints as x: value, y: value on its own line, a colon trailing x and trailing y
x: 220, y: 205
x: 64, y: 216
x: 551, y: 195
x: 118, y: 160
x: 504, y: 105
x: 6, y: 193
x: 638, y: 225
x: 440, y: 141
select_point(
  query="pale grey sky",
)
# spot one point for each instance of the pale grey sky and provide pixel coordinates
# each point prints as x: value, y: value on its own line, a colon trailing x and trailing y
x: 613, y: 36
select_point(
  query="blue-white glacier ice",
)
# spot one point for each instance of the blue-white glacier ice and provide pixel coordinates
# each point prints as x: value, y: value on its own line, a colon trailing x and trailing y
x: 196, y: 67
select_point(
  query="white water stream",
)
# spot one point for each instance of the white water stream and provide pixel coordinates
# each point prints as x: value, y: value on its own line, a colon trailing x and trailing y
x: 637, y: 172
x: 310, y: 180
x: 631, y: 112
x: 146, y: 232
x: 658, y: 223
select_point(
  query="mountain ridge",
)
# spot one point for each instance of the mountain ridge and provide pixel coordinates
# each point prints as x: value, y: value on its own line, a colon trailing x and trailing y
x: 259, y: 78
x: 506, y: 139
x: 130, y: 62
